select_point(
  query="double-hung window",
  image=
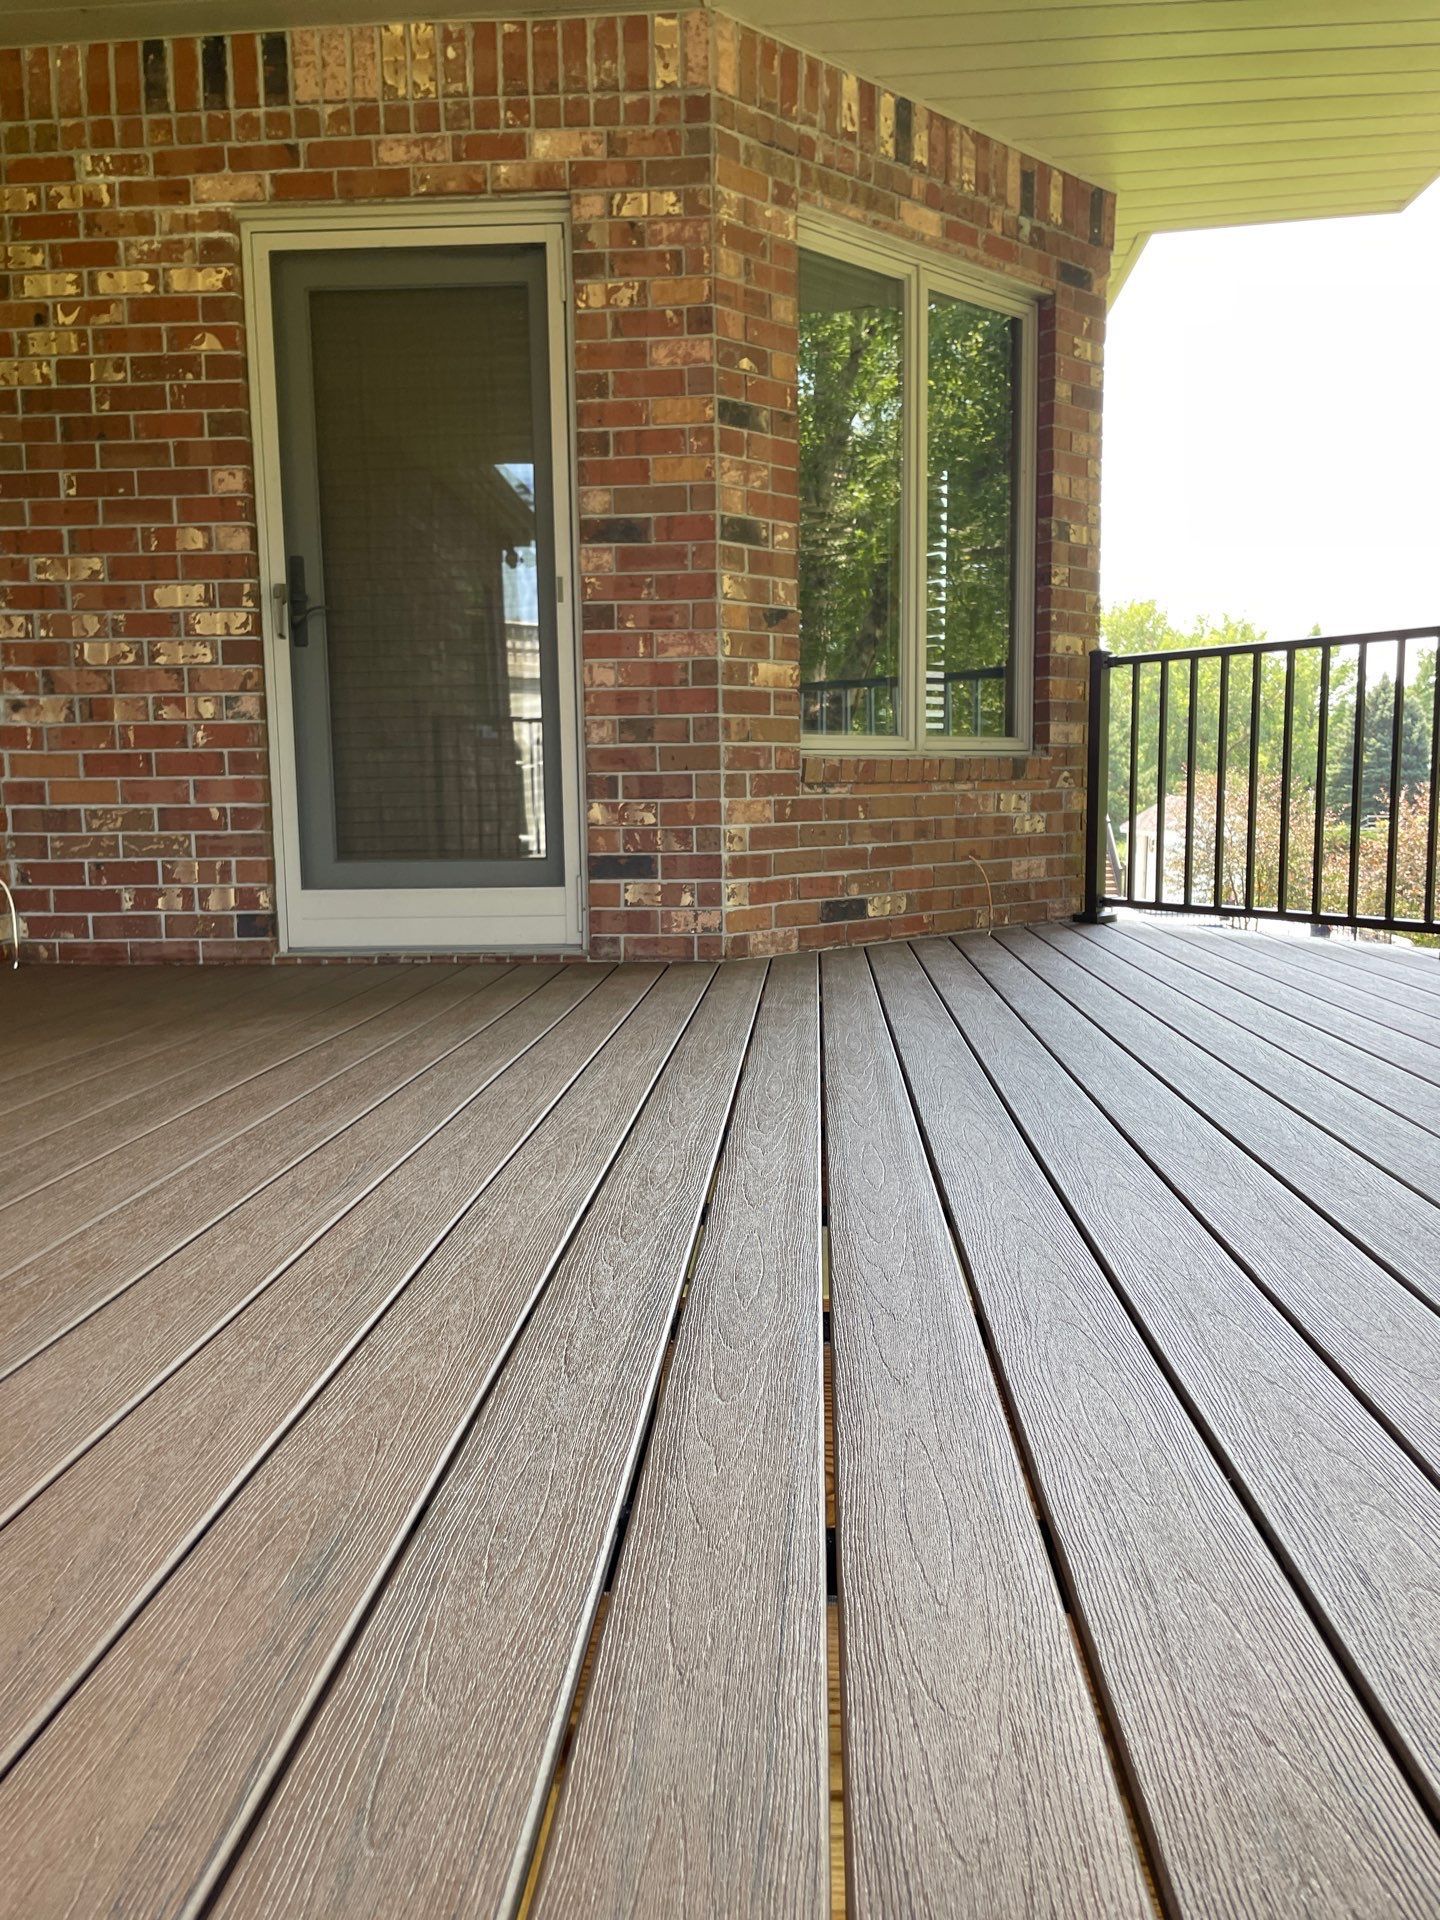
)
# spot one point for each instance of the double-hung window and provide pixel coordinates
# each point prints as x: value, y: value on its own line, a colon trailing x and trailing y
x: 916, y: 390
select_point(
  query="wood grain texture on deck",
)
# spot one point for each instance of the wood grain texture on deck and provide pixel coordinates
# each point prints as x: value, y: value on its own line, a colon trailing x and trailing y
x: 421, y: 1785
x: 700, y: 1768
x: 943, y: 1571
x: 1376, y: 1332
x: 1223, y: 1691
x: 425, y: 1390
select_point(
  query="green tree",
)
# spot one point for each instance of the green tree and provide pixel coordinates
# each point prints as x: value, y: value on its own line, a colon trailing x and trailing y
x: 1142, y: 627
x: 1377, y: 745
x: 850, y: 390
x: 969, y: 466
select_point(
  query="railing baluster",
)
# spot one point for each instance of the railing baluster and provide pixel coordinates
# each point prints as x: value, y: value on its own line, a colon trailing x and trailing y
x: 1397, y: 742
x: 1191, y: 735
x: 1097, y: 786
x: 1222, y: 755
x: 1162, y: 780
x: 1357, y: 778
x: 1322, y: 771
x: 1432, y: 830
x: 1134, y: 771
x: 1249, y: 897
x: 1282, y: 884
x: 1256, y: 682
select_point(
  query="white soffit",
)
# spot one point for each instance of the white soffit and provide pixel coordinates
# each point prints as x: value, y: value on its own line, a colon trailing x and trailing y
x: 1198, y: 113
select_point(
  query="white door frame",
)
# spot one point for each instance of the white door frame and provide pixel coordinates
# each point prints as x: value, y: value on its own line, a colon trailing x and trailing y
x: 436, y: 919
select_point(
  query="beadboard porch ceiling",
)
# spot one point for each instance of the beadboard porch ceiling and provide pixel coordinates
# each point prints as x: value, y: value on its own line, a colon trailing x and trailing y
x: 1197, y: 113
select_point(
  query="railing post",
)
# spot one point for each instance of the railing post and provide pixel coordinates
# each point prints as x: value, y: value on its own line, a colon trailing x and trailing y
x: 1097, y: 781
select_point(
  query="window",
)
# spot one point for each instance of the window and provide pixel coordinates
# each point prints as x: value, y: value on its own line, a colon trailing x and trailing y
x: 916, y: 400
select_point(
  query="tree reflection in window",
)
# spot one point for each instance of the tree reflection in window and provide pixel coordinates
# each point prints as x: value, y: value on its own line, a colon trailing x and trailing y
x: 852, y: 327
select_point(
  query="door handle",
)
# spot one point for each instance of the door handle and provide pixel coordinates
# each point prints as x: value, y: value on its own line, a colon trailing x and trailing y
x: 290, y: 599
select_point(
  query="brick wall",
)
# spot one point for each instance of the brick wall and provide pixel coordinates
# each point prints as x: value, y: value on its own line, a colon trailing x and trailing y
x: 135, y: 779
x: 821, y: 849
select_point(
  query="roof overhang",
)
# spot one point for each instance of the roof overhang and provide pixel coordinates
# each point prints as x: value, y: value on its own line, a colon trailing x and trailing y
x: 1196, y: 113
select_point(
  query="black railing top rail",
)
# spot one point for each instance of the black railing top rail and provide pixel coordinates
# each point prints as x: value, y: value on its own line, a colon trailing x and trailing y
x: 1248, y: 647
x: 1374, y: 800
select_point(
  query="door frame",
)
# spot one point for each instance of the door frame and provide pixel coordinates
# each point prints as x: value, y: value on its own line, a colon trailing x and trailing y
x: 414, y: 920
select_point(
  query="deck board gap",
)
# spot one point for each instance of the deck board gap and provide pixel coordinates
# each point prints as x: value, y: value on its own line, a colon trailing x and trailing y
x: 222, y: 1089
x: 112, y: 1207
x: 1214, y: 1230
x: 231, y: 1845
x: 186, y: 1546
x: 1122, y: 1772
x: 997, y: 1373
x: 627, y: 1501
x: 839, y: 1865
x: 1333, y: 1218
x: 1275, y: 1078
x: 1147, y: 1848
x: 1324, y: 1626
x: 303, y: 1246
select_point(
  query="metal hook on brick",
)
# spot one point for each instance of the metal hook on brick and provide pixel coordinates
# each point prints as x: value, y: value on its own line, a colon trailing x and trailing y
x: 989, y: 895
x: 14, y: 927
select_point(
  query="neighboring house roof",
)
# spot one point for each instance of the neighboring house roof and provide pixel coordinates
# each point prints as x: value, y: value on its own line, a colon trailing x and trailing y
x: 1142, y: 827
x: 1208, y: 114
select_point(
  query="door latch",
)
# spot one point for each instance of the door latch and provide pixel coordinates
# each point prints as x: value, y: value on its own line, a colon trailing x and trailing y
x: 291, y: 605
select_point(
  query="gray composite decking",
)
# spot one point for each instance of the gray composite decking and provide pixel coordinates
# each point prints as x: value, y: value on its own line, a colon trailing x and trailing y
x: 937, y: 1429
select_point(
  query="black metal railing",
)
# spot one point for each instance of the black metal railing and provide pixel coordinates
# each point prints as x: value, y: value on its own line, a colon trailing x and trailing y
x: 1294, y: 780
x: 833, y: 706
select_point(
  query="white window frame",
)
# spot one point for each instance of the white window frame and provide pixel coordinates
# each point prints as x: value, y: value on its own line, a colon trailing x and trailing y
x: 922, y: 272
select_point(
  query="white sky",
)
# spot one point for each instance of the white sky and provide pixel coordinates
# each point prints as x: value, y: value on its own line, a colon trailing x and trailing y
x: 1272, y: 425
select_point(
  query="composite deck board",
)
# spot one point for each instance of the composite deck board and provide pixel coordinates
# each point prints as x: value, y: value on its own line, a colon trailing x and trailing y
x: 1381, y: 1026
x: 1374, y: 1330
x: 942, y: 1568
x: 700, y: 1767
x: 1221, y: 1688
x: 76, y: 1387
x: 260, y: 1612
x: 1389, y: 976
x: 113, y: 1520
x: 36, y: 1159
x: 1398, y: 1226
x: 1187, y: 1001
x: 43, y: 1053
x: 254, y: 1023
x: 421, y: 1783
x: 163, y: 1023
x: 330, y: 1432
x: 1356, y: 1520
x: 60, y: 1285
x: 1396, y: 1089
x: 44, y: 1219
x: 158, y: 1002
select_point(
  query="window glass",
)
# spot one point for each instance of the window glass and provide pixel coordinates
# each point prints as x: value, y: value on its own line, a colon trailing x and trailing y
x: 851, y: 387
x: 970, y: 525
x: 425, y: 469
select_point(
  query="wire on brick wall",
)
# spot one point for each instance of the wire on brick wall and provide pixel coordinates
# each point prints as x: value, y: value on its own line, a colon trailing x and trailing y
x: 14, y: 926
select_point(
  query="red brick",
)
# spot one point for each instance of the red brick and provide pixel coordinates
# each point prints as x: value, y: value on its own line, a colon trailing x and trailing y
x: 694, y: 761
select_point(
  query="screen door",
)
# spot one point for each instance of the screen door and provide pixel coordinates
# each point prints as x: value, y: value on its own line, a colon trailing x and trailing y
x: 415, y: 598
